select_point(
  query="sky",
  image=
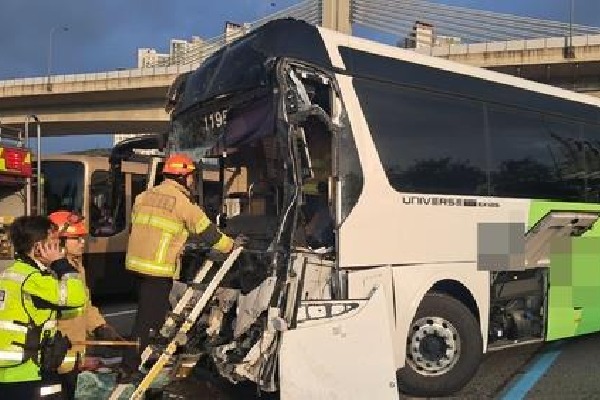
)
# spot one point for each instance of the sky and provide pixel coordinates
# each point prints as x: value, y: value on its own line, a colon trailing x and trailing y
x: 105, y: 34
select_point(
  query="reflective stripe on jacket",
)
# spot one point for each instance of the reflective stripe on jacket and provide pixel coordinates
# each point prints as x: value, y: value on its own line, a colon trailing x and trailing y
x: 29, y: 300
x: 163, y: 217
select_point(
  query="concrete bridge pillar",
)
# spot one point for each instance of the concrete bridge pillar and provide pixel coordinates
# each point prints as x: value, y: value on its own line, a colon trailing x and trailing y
x: 336, y: 15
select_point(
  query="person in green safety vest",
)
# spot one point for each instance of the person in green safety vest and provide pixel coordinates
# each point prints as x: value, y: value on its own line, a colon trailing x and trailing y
x: 32, y: 290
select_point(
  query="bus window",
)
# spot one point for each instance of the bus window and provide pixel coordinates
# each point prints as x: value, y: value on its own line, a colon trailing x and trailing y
x: 101, y: 217
x: 63, y: 185
x: 404, y: 127
x: 592, y: 157
x: 138, y: 185
x: 535, y: 156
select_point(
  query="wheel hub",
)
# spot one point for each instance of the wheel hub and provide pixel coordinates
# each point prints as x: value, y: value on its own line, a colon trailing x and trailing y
x: 433, y: 346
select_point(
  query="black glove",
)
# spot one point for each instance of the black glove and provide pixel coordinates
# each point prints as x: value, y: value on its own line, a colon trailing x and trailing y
x: 217, y: 256
x: 53, y: 351
x: 106, y: 332
x: 240, y: 241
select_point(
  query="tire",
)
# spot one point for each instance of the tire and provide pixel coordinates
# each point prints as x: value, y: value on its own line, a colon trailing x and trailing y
x: 437, y: 366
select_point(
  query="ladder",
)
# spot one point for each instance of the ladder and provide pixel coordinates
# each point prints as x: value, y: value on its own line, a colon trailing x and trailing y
x: 180, y: 321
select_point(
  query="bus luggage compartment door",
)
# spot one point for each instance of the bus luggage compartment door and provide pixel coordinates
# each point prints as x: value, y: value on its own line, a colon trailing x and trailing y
x: 340, y: 349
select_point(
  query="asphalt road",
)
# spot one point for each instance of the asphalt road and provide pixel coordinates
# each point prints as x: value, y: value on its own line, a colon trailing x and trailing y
x: 575, y: 372
x: 120, y: 315
x: 568, y: 369
x: 497, y: 369
x: 565, y: 370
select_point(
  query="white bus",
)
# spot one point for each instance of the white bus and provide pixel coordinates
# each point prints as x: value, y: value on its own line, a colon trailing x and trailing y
x: 463, y: 205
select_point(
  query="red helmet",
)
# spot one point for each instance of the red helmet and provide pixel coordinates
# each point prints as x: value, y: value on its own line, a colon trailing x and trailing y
x: 69, y: 224
x: 179, y: 164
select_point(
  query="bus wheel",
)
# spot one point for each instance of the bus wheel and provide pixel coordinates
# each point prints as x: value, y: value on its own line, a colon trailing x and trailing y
x: 443, y: 348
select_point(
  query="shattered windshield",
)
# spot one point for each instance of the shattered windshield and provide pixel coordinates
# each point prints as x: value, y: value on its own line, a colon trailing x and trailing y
x: 203, y: 134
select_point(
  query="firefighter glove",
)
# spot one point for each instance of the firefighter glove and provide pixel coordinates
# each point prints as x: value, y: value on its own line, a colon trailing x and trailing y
x: 240, y: 241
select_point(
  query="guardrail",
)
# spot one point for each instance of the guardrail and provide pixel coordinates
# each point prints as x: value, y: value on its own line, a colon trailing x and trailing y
x: 120, y: 74
x: 510, y: 45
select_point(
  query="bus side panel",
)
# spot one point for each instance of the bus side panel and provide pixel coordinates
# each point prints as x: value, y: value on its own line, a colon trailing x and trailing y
x: 574, y: 279
x: 346, y: 356
x: 411, y: 283
x: 360, y: 285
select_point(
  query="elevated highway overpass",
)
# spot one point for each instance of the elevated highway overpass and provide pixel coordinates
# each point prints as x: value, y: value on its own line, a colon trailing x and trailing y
x: 549, y: 60
x: 109, y: 102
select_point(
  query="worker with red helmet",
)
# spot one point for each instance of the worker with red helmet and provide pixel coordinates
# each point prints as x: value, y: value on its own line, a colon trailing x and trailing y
x: 162, y: 219
x: 71, y: 231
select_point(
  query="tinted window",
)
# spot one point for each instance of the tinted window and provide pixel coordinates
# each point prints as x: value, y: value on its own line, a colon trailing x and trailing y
x: 103, y: 220
x: 349, y: 169
x: 63, y: 185
x: 138, y: 185
x: 242, y: 65
x: 427, y: 142
x: 200, y: 134
x: 591, y: 145
x: 403, y: 73
x: 534, y: 156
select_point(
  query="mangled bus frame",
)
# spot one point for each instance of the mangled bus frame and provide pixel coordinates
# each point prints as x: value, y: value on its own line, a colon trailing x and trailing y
x: 393, y: 194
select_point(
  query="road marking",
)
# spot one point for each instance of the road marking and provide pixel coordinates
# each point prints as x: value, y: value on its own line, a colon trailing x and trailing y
x: 519, y: 388
x: 116, y: 314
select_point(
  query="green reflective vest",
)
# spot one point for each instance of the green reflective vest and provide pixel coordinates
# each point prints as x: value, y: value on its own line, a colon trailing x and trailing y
x: 29, y: 300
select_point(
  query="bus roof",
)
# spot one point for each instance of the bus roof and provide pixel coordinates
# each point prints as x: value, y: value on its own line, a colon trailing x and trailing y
x: 410, y: 56
x: 240, y: 66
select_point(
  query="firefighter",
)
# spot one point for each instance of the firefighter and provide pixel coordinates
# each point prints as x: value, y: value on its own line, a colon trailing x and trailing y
x: 162, y: 219
x: 32, y: 290
x: 71, y: 233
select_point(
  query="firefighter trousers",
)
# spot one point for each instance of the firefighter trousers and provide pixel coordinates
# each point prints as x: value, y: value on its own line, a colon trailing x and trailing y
x: 153, y: 305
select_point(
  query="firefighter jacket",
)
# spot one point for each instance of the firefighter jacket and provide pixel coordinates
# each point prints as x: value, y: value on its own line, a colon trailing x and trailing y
x: 30, y: 297
x: 77, y: 326
x: 163, y: 218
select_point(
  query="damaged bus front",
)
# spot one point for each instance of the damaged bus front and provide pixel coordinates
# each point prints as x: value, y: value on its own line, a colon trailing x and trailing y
x: 269, y: 118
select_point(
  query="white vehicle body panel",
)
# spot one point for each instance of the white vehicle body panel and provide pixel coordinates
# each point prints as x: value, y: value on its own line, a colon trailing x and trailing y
x: 345, y: 357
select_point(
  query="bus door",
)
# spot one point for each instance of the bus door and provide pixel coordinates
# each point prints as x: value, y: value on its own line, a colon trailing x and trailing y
x: 109, y: 233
